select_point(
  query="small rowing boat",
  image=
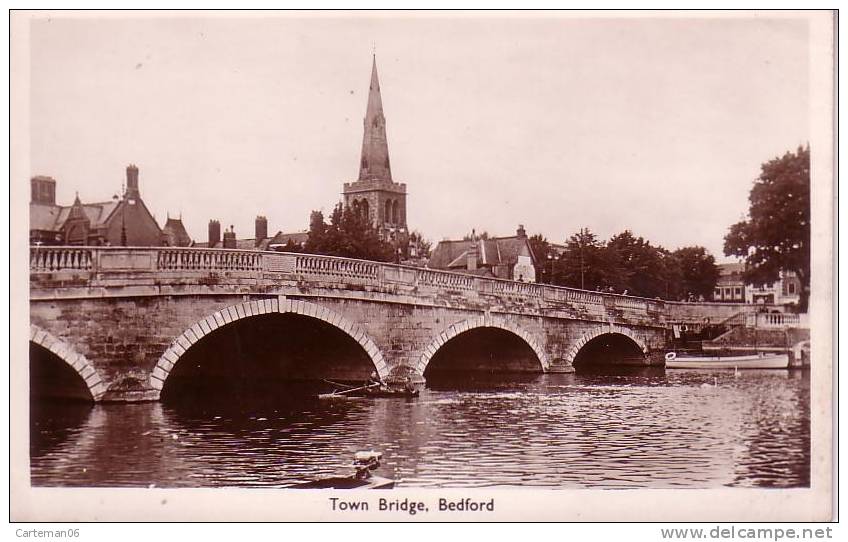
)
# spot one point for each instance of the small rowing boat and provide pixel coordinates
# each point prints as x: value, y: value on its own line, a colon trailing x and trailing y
x: 753, y: 361
x: 364, y: 462
x: 370, y: 390
x: 390, y: 393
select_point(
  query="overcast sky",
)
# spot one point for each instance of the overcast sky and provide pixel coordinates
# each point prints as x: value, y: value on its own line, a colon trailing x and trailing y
x: 654, y: 125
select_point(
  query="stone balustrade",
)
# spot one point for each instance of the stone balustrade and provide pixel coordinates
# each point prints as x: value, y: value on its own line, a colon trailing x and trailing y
x: 337, y: 267
x: 200, y: 262
x: 56, y: 259
x: 207, y: 260
x: 774, y: 320
x: 430, y: 277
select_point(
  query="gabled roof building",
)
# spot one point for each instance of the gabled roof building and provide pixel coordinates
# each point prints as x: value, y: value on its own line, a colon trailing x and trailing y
x: 123, y: 221
x: 499, y: 257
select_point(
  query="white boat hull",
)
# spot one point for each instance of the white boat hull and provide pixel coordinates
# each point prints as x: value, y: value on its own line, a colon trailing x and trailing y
x: 770, y: 361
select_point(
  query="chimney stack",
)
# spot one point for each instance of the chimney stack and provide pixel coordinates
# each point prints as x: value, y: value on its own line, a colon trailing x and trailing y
x: 214, y: 233
x: 132, y: 182
x: 43, y: 190
x: 261, y: 228
x: 230, y: 238
x: 520, y: 231
x: 471, y: 262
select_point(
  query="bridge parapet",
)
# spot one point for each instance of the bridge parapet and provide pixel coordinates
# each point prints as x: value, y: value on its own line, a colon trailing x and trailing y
x: 43, y: 260
x: 52, y: 268
x: 207, y: 260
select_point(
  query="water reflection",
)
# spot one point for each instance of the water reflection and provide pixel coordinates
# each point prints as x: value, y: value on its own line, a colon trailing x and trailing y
x: 645, y: 428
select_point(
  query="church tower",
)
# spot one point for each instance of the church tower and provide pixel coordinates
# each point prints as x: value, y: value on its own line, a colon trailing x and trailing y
x: 374, y: 194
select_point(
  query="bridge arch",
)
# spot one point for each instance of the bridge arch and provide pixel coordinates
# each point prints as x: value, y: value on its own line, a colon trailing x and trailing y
x: 600, y: 331
x: 248, y: 309
x: 485, y: 321
x: 65, y: 352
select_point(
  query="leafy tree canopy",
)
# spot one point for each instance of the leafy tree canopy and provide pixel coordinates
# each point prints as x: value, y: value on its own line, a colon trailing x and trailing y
x: 776, y: 235
x: 697, y: 271
x: 348, y: 234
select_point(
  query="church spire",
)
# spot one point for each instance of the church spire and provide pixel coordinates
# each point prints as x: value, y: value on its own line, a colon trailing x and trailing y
x: 374, y: 164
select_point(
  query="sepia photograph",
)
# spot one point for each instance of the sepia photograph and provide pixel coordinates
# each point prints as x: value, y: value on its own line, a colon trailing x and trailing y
x: 499, y: 264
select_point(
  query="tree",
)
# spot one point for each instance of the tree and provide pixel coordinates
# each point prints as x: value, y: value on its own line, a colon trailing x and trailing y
x: 544, y: 256
x: 316, y: 240
x: 475, y: 235
x: 585, y: 263
x: 348, y: 235
x: 776, y: 236
x: 698, y: 271
x: 641, y: 269
x: 418, y: 247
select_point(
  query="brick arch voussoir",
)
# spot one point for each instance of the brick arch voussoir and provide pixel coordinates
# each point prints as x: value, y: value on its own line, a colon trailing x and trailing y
x: 78, y: 362
x: 603, y: 330
x: 249, y: 309
x: 467, y: 325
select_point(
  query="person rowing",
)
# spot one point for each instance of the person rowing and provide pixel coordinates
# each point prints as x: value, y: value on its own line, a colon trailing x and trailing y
x: 375, y: 382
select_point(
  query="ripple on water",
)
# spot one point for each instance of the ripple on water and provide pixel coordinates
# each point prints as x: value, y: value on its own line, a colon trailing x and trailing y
x: 572, y: 432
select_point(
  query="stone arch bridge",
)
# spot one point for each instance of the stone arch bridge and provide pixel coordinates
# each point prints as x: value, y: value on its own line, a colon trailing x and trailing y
x: 125, y: 319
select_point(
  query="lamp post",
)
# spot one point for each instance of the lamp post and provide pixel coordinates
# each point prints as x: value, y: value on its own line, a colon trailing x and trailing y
x: 551, y: 267
x: 582, y: 278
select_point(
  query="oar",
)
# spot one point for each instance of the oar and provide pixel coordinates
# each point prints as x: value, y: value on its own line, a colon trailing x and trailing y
x: 355, y: 389
x: 337, y: 383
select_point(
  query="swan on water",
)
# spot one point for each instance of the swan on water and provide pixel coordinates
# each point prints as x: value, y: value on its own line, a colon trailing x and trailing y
x: 713, y: 385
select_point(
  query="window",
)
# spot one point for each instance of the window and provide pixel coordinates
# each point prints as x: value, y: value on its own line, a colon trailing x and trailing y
x: 791, y: 288
x: 737, y: 291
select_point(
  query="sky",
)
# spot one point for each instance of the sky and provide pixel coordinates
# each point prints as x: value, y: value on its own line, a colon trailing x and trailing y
x: 656, y: 125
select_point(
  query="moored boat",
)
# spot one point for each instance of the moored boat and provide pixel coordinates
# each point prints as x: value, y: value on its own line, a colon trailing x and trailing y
x: 753, y: 361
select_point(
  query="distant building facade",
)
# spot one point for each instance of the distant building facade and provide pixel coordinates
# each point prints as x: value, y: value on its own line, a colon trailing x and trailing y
x: 123, y: 221
x: 374, y: 195
x: 500, y: 257
x: 732, y: 288
x: 784, y: 291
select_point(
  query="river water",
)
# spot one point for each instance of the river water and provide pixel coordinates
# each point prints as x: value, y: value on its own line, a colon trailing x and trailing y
x: 651, y: 428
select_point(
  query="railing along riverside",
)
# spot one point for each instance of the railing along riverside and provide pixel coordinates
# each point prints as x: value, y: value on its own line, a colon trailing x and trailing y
x: 54, y: 259
x: 336, y: 267
x: 775, y: 320
x: 193, y: 259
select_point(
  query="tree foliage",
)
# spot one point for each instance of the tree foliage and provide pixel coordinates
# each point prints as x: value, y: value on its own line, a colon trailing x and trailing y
x: 776, y: 236
x: 418, y: 248
x: 628, y: 264
x: 698, y: 273
x: 348, y: 234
